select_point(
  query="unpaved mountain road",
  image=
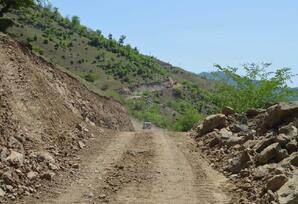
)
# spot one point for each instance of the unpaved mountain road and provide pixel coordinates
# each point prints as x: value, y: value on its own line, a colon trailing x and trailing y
x: 151, y: 166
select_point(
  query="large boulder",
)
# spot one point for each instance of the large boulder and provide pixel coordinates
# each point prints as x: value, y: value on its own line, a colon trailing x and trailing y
x: 278, y: 114
x: 288, y: 193
x: 211, y: 122
x: 268, y: 154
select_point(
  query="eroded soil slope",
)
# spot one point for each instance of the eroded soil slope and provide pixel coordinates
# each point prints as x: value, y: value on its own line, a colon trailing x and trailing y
x: 46, y: 116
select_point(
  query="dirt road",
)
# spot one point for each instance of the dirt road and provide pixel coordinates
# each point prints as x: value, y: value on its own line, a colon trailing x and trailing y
x: 143, y: 167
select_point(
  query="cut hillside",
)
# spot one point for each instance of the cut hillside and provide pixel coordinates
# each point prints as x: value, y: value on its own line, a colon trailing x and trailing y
x: 105, y: 64
x: 46, y: 116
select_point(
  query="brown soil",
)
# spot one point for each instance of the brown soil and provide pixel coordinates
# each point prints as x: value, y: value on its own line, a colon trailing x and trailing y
x: 44, y: 111
x: 141, y: 167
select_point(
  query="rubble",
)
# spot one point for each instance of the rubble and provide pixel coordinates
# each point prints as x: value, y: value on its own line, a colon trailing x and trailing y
x: 257, y: 150
x: 44, y: 114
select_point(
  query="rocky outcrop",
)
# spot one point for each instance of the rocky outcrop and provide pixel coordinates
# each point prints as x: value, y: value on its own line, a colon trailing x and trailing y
x: 256, y: 150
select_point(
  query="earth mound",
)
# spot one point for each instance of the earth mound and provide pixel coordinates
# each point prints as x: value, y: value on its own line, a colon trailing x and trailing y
x: 46, y: 116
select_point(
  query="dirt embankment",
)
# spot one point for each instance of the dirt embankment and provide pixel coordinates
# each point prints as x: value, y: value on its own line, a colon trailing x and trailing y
x: 46, y: 116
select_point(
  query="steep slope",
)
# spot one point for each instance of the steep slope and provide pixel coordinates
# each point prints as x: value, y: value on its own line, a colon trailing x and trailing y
x: 106, y: 65
x: 45, y: 117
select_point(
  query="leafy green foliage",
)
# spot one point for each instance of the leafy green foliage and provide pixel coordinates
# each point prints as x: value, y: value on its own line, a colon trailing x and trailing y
x: 188, y: 115
x: 255, y: 88
x: 89, y: 77
x: 140, y: 110
x: 8, y: 5
x: 187, y: 120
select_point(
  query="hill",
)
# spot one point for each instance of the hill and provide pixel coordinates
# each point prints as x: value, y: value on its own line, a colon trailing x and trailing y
x: 46, y: 116
x: 105, y: 65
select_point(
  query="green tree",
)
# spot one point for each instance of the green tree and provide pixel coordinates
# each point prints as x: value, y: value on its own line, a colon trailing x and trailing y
x: 8, y: 5
x: 255, y: 88
x: 75, y: 22
x: 110, y: 36
x: 121, y: 39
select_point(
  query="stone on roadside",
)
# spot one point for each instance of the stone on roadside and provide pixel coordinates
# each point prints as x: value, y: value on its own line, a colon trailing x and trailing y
x: 269, y: 153
x: 15, y: 158
x: 276, y: 182
x: 211, y: 122
x: 32, y: 175
x: 227, y: 111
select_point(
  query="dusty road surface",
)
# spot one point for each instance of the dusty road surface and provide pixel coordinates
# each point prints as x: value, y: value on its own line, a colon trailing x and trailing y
x: 151, y: 166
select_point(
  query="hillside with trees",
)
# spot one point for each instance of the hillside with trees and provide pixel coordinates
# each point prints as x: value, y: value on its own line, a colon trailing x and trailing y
x: 106, y: 65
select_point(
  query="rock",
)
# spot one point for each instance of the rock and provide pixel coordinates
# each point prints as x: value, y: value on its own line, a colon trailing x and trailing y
x: 15, y: 158
x: 225, y: 134
x: 254, y: 112
x: 239, y: 128
x: 81, y: 144
x: 2, y: 192
x: 211, y: 122
x: 282, y: 139
x: 45, y: 156
x: 10, y: 177
x: 278, y: 114
x: 263, y: 144
x: 32, y: 175
x: 276, y: 182
x: 270, y: 196
x: 291, y: 160
x: 281, y: 155
x: 268, y: 153
x: 75, y: 166
x: 53, y: 167
x: 289, y: 130
x: 233, y: 141
x: 288, y: 193
x: 260, y: 172
x: 48, y: 175
x: 241, y: 162
x: 292, y: 146
x: 227, y: 111
x: 4, y: 153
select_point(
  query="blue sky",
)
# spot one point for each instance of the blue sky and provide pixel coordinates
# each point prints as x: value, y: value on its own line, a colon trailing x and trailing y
x: 196, y: 34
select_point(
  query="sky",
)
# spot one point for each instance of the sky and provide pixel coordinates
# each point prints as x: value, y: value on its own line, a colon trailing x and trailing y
x: 196, y: 34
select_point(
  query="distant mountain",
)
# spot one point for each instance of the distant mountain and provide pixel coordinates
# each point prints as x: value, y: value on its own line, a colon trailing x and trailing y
x: 216, y: 76
x: 295, y: 97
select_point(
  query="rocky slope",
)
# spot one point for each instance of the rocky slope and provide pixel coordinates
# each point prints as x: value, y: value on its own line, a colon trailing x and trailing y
x: 258, y: 150
x: 46, y: 116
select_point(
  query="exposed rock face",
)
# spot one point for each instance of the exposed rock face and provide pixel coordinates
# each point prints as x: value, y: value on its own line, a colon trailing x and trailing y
x: 44, y: 113
x: 258, y: 151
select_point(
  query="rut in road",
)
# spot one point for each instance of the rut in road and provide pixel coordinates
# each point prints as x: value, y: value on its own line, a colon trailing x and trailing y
x: 145, y: 167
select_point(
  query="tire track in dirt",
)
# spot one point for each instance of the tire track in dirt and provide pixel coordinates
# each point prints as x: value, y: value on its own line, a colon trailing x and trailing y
x: 93, y: 173
x: 130, y: 181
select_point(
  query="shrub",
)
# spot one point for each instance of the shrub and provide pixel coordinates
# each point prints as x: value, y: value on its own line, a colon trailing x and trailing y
x: 89, y: 77
x: 255, y: 88
x: 187, y: 120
